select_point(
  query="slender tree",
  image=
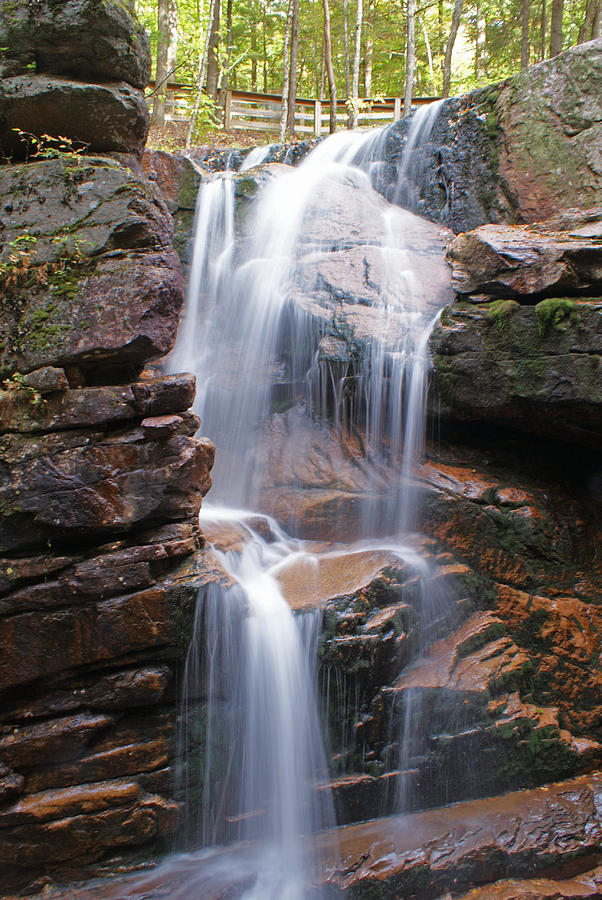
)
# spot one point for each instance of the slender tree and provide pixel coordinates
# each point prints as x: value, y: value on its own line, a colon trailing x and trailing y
x: 369, y: 55
x: 167, y: 48
x: 449, y: 47
x: 592, y: 11
x: 332, y: 85
x: 292, y: 78
x: 355, y: 84
x: 556, y: 27
x: 544, y: 30
x: 213, y: 50
x: 524, y: 45
x: 202, y: 68
x: 410, y: 56
x: 346, y: 49
x: 286, y: 71
x: 480, y: 57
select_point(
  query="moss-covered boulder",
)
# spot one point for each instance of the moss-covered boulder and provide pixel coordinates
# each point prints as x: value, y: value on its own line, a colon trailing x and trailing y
x: 513, y: 152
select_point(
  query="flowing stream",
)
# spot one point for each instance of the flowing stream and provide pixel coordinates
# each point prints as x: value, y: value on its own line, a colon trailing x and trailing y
x: 264, y: 325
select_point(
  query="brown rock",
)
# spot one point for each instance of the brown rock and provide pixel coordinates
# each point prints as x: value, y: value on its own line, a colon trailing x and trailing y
x: 507, y: 261
x: 120, y: 227
x: 55, y: 741
x: 73, y: 483
x: 22, y: 411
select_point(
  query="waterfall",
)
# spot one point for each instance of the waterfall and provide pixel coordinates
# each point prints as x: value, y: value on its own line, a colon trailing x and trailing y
x: 263, y: 311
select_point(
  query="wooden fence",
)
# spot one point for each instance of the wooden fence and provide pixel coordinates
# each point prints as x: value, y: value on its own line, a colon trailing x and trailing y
x: 261, y: 112
x: 248, y: 111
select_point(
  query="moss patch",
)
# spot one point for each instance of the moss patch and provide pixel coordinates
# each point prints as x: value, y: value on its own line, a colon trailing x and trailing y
x: 555, y: 314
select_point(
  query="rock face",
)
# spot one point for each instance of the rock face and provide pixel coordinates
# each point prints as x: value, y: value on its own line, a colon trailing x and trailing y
x: 101, y: 477
x: 522, y: 343
x: 75, y: 70
x: 100, y: 41
x: 513, y: 152
x: 427, y: 855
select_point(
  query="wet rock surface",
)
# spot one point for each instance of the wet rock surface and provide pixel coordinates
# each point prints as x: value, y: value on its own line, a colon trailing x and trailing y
x: 428, y: 855
x: 514, y: 152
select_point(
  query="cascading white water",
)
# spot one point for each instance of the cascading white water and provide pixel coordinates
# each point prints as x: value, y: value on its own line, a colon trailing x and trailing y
x: 249, y: 318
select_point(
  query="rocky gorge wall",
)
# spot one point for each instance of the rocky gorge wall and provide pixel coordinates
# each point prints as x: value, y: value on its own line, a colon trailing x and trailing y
x: 103, y: 477
x: 101, y: 473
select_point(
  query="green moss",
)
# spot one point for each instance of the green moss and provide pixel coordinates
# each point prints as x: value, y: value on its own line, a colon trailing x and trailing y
x: 500, y: 313
x: 555, y: 314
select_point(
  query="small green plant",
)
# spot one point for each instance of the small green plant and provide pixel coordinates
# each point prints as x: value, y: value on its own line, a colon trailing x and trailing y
x: 18, y: 387
x: 207, y: 117
x: 15, y: 259
x: 500, y: 313
x: 552, y: 313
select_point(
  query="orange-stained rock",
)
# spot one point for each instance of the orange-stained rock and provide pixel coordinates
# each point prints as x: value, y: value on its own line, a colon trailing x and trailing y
x: 586, y: 886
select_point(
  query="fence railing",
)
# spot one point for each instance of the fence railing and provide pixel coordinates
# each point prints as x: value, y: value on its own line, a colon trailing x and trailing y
x: 261, y: 112
x: 251, y: 111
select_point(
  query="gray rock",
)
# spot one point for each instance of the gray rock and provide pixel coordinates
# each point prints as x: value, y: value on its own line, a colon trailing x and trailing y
x: 100, y: 117
x: 93, y: 231
x: 82, y: 38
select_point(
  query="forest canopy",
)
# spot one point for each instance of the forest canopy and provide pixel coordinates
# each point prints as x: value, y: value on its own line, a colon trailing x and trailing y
x: 244, y: 44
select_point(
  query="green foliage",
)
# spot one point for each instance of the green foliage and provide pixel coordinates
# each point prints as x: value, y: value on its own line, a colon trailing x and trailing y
x: 500, y: 313
x: 23, y: 392
x: 555, y: 314
x: 487, y: 49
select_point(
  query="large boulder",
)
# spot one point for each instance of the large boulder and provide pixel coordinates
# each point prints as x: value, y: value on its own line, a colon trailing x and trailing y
x: 517, y: 151
x: 83, y: 38
x: 92, y: 230
x: 522, y: 343
x: 112, y: 116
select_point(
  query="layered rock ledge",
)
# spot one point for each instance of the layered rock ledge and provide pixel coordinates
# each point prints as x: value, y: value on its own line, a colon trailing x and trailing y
x: 101, y: 480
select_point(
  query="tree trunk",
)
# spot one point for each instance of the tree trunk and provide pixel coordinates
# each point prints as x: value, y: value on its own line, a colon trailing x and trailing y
x: 200, y: 75
x: 229, y: 44
x: 556, y: 27
x: 586, y: 32
x: 369, y: 58
x: 410, y: 56
x: 167, y: 45
x: 524, y: 46
x: 544, y: 30
x: 292, y: 79
x: 332, y: 85
x: 429, y: 53
x: 449, y: 47
x: 346, y: 48
x: 355, y: 84
x: 253, y: 59
x: 440, y: 36
x: 481, y: 45
x: 265, y: 52
x: 597, y: 23
x: 213, y: 51
x: 286, y: 71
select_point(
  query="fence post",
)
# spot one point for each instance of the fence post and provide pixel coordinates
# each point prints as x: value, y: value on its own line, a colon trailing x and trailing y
x: 397, y: 109
x: 317, y: 118
x: 228, y: 112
